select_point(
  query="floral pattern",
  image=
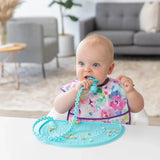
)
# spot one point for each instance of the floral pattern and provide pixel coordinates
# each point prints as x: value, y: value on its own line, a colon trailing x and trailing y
x: 108, y: 105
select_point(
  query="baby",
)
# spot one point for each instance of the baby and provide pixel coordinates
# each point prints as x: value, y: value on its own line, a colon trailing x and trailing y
x: 115, y: 98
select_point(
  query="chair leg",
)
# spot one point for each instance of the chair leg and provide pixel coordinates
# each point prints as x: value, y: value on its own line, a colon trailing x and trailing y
x: 2, y: 70
x: 43, y: 71
x: 57, y: 60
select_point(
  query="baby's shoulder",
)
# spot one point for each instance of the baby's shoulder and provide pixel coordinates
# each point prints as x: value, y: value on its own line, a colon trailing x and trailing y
x: 113, y: 82
x: 69, y: 85
x: 113, y: 85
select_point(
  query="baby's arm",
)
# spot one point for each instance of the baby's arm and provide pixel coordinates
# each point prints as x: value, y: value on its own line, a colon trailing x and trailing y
x: 64, y: 101
x: 135, y: 99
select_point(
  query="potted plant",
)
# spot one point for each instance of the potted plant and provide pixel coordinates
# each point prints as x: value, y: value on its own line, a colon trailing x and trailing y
x: 7, y: 8
x: 66, y: 41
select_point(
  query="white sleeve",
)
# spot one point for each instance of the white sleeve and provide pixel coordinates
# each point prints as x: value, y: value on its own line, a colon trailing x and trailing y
x: 58, y: 116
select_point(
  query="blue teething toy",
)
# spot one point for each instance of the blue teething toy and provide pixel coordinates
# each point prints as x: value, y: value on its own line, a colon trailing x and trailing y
x: 83, y: 134
x: 93, y: 87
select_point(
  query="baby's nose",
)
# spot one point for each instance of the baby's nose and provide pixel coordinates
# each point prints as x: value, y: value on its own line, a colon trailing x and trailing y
x: 88, y: 69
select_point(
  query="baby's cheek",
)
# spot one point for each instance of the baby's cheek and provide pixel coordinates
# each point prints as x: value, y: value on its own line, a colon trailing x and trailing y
x: 80, y: 75
x: 101, y: 75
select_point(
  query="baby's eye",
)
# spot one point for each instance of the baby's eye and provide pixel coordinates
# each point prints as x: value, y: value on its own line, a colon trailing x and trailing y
x: 81, y: 63
x: 96, y: 65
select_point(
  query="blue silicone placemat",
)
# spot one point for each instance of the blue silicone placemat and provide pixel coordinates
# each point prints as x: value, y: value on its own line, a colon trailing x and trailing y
x: 84, y: 134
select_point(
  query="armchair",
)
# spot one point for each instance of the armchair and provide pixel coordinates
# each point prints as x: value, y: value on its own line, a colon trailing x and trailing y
x: 41, y: 36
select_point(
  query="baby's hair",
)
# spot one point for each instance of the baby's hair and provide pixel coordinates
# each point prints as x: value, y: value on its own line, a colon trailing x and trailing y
x: 98, y: 39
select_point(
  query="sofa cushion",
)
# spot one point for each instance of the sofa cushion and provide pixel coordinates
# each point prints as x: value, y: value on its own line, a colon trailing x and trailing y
x: 118, y: 16
x: 149, y: 17
x: 117, y: 37
x: 146, y: 38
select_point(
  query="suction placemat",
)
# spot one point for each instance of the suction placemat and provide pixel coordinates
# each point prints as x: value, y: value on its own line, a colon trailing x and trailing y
x: 83, y: 134
x: 76, y: 134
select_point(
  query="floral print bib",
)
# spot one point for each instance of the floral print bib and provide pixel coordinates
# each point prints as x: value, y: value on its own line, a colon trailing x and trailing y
x: 108, y: 105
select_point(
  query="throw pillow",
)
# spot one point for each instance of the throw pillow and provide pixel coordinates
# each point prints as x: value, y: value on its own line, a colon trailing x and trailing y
x: 150, y: 17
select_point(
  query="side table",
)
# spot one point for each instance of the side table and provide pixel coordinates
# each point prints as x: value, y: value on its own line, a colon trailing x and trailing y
x: 11, y: 52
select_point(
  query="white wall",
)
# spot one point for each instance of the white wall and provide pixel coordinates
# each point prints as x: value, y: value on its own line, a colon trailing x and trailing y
x: 31, y: 8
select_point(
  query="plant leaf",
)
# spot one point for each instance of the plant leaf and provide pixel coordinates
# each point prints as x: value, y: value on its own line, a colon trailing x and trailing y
x: 77, y: 4
x: 73, y: 18
x: 53, y: 2
x: 69, y: 4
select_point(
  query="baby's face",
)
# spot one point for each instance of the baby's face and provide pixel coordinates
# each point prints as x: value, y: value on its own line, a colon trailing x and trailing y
x: 93, y: 62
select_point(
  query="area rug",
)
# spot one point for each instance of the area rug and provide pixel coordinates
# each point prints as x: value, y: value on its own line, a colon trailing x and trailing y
x: 38, y: 94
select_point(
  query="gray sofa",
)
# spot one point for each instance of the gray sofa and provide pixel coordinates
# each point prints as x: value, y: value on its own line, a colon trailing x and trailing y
x: 120, y: 23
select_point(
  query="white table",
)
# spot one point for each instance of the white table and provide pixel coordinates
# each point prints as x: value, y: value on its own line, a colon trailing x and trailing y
x: 18, y: 143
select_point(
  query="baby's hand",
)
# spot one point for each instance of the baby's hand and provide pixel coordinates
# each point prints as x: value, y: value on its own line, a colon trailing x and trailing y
x: 86, y: 83
x: 126, y: 83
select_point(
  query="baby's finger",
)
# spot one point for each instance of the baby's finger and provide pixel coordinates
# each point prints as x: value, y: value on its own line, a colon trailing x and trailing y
x: 90, y: 83
x: 123, y: 79
x: 126, y: 83
x: 119, y: 77
x: 129, y: 81
x: 86, y: 84
x: 79, y: 85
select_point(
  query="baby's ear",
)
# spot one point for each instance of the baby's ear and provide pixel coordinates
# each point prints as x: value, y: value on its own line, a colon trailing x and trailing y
x: 111, y: 68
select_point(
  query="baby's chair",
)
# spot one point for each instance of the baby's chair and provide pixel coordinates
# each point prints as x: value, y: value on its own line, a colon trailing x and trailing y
x: 139, y: 118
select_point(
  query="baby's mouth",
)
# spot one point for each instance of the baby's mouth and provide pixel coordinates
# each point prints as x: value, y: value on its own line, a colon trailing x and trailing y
x: 86, y: 77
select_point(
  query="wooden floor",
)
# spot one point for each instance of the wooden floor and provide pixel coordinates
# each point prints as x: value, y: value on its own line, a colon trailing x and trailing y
x: 154, y: 121
x: 23, y: 114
